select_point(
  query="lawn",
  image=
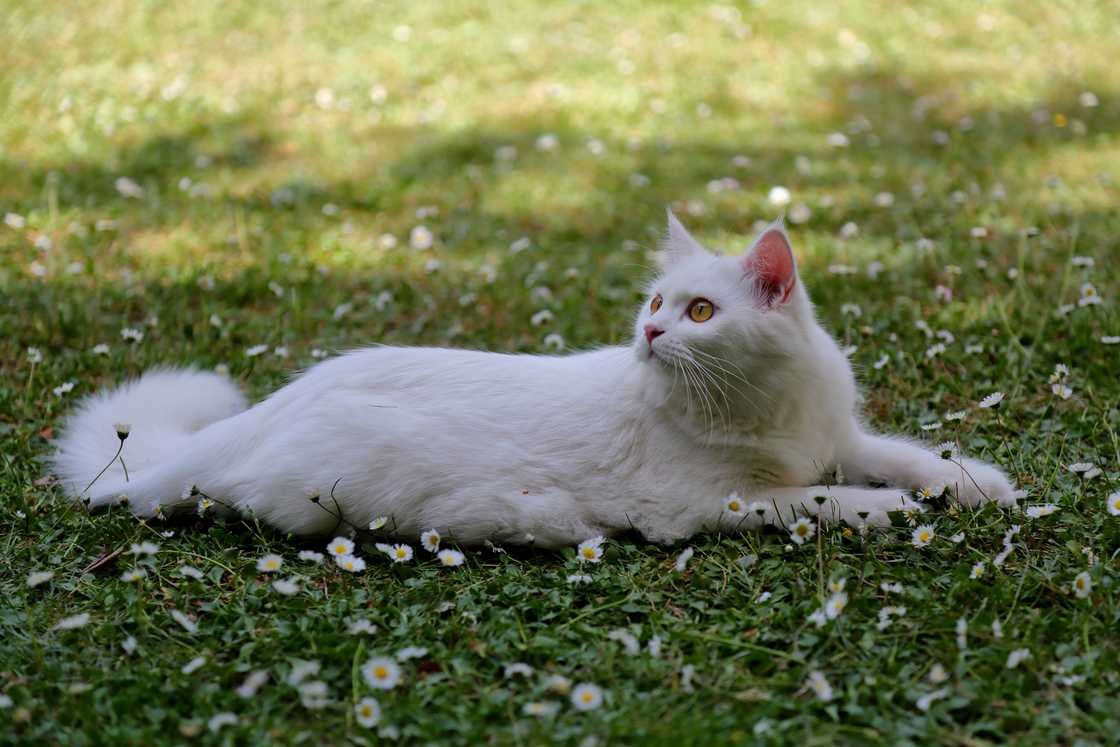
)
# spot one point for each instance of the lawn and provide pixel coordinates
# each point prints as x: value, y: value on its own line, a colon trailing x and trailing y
x: 258, y: 185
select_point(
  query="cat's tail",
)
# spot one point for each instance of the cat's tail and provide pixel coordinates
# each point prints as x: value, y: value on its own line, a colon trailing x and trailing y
x: 159, y: 411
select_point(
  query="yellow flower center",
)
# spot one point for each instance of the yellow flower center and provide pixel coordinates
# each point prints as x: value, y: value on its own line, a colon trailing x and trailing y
x: 380, y: 673
x: 589, y: 552
x: 734, y: 505
x: 802, y: 529
x: 340, y: 549
x: 923, y: 536
x: 587, y: 697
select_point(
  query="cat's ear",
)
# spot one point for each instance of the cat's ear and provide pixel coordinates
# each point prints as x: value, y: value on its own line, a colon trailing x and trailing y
x: 769, y: 264
x: 677, y: 244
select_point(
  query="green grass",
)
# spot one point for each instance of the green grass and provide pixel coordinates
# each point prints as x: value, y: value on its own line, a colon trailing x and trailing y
x: 270, y: 175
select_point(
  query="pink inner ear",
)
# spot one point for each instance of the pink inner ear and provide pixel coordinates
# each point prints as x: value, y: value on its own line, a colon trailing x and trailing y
x: 771, y: 262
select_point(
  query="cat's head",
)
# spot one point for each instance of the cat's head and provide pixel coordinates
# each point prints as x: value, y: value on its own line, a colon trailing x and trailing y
x: 708, y: 311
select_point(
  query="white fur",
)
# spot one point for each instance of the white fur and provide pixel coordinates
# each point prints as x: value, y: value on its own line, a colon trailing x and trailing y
x: 547, y: 449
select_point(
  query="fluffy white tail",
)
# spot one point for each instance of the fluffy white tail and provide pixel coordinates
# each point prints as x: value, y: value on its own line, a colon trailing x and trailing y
x: 162, y: 408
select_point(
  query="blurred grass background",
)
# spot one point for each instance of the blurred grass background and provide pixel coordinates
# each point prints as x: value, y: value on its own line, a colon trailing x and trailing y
x: 316, y: 176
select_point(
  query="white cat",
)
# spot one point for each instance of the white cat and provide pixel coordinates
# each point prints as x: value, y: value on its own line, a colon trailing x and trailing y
x: 730, y: 385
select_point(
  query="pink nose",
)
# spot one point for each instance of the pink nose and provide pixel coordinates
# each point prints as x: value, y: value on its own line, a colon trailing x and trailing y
x: 652, y: 332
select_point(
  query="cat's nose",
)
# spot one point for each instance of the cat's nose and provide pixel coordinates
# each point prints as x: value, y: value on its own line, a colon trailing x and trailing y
x: 652, y: 332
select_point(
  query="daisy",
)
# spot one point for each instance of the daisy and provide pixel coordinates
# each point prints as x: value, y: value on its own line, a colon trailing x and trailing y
x: 957, y: 415
x: 270, y: 563
x: 362, y: 625
x: 540, y: 709
x: 587, y: 697
x: 301, y: 670
x: 221, y: 720
x: 378, y: 523
x: 925, y: 702
x: 818, y: 618
x: 1018, y: 656
x: 72, y: 622
x: 937, y: 674
x: 997, y: 629
x: 400, y: 553
x: 758, y: 508
x: 885, y: 614
x: 313, y: 695
x: 629, y: 642
x: 922, y: 536
x: 654, y: 646
x: 1036, y: 512
x: 819, y: 685
x: 248, y: 688
x: 429, y: 540
x: 133, y: 575
x: 591, y: 550
x: 688, y: 671
x: 682, y: 559
x: 1113, y: 508
x: 287, y: 587
x: 144, y: 548
x: 450, y: 558
x: 411, y: 652
x: 310, y: 555
x: 129, y: 645
x: 801, y: 530
x: 1061, y: 390
x: 891, y: 588
x: 41, y: 577
x: 992, y: 400
x: 350, y: 563
x: 193, y: 665
x: 519, y: 668
x: 962, y: 633
x: 381, y: 673
x: 558, y: 683
x: 1082, y: 585
x: 188, y: 624
x: 340, y: 546
x: 977, y: 570
x: 190, y: 572
x: 367, y: 712
x: 579, y: 578
x: 734, y: 504
x: 835, y: 605
x: 204, y: 505
x: 957, y: 538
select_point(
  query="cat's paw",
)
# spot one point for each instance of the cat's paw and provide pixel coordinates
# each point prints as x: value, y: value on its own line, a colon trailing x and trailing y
x: 971, y: 482
x: 867, y: 506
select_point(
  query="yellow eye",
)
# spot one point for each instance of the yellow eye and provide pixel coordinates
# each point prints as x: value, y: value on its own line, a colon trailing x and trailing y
x: 701, y: 310
x: 655, y: 304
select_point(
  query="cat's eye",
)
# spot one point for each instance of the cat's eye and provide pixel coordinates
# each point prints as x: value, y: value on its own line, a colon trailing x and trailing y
x: 655, y: 304
x: 701, y: 310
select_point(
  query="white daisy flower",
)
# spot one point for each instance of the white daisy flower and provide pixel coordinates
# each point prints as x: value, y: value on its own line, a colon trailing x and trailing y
x: 190, y: 572
x: 360, y: 626
x: 925, y: 702
x: 251, y: 684
x: 72, y: 622
x: 411, y: 652
x: 314, y: 695
x: 311, y: 556
x: 381, y: 673
x: 922, y: 536
x: 591, y: 550
x: 885, y: 615
x: 400, y: 553
x: 429, y: 540
x: 758, y: 508
x: 378, y: 523
x: 37, y: 578
x: 733, y: 504
x: 682, y: 559
x: 270, y: 563
x: 818, y: 618
x: 540, y: 709
x: 518, y: 668
x: 301, y: 670
x: 587, y: 696
x: 992, y: 400
x: 144, y: 548
x: 835, y: 605
x: 1036, y: 512
x: 350, y: 563
x: 628, y: 640
x: 188, y: 624
x: 819, y: 685
x: 367, y: 712
x: 221, y: 720
x: 579, y: 578
x: 801, y: 530
x: 340, y: 546
x: 285, y: 586
x: 962, y: 633
x: 1082, y: 585
x: 134, y: 575
x: 957, y: 538
x: 937, y: 674
x: 193, y: 665
x: 997, y: 629
x: 977, y: 570
x: 891, y: 587
x: 1018, y: 656
x: 450, y: 558
x: 129, y: 645
x: 558, y: 683
x: 1113, y: 502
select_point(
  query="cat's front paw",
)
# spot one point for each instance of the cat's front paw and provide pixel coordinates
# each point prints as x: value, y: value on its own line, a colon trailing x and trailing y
x: 971, y: 482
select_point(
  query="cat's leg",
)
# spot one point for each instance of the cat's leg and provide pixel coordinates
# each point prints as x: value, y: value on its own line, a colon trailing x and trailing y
x: 870, y: 459
x: 847, y: 503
